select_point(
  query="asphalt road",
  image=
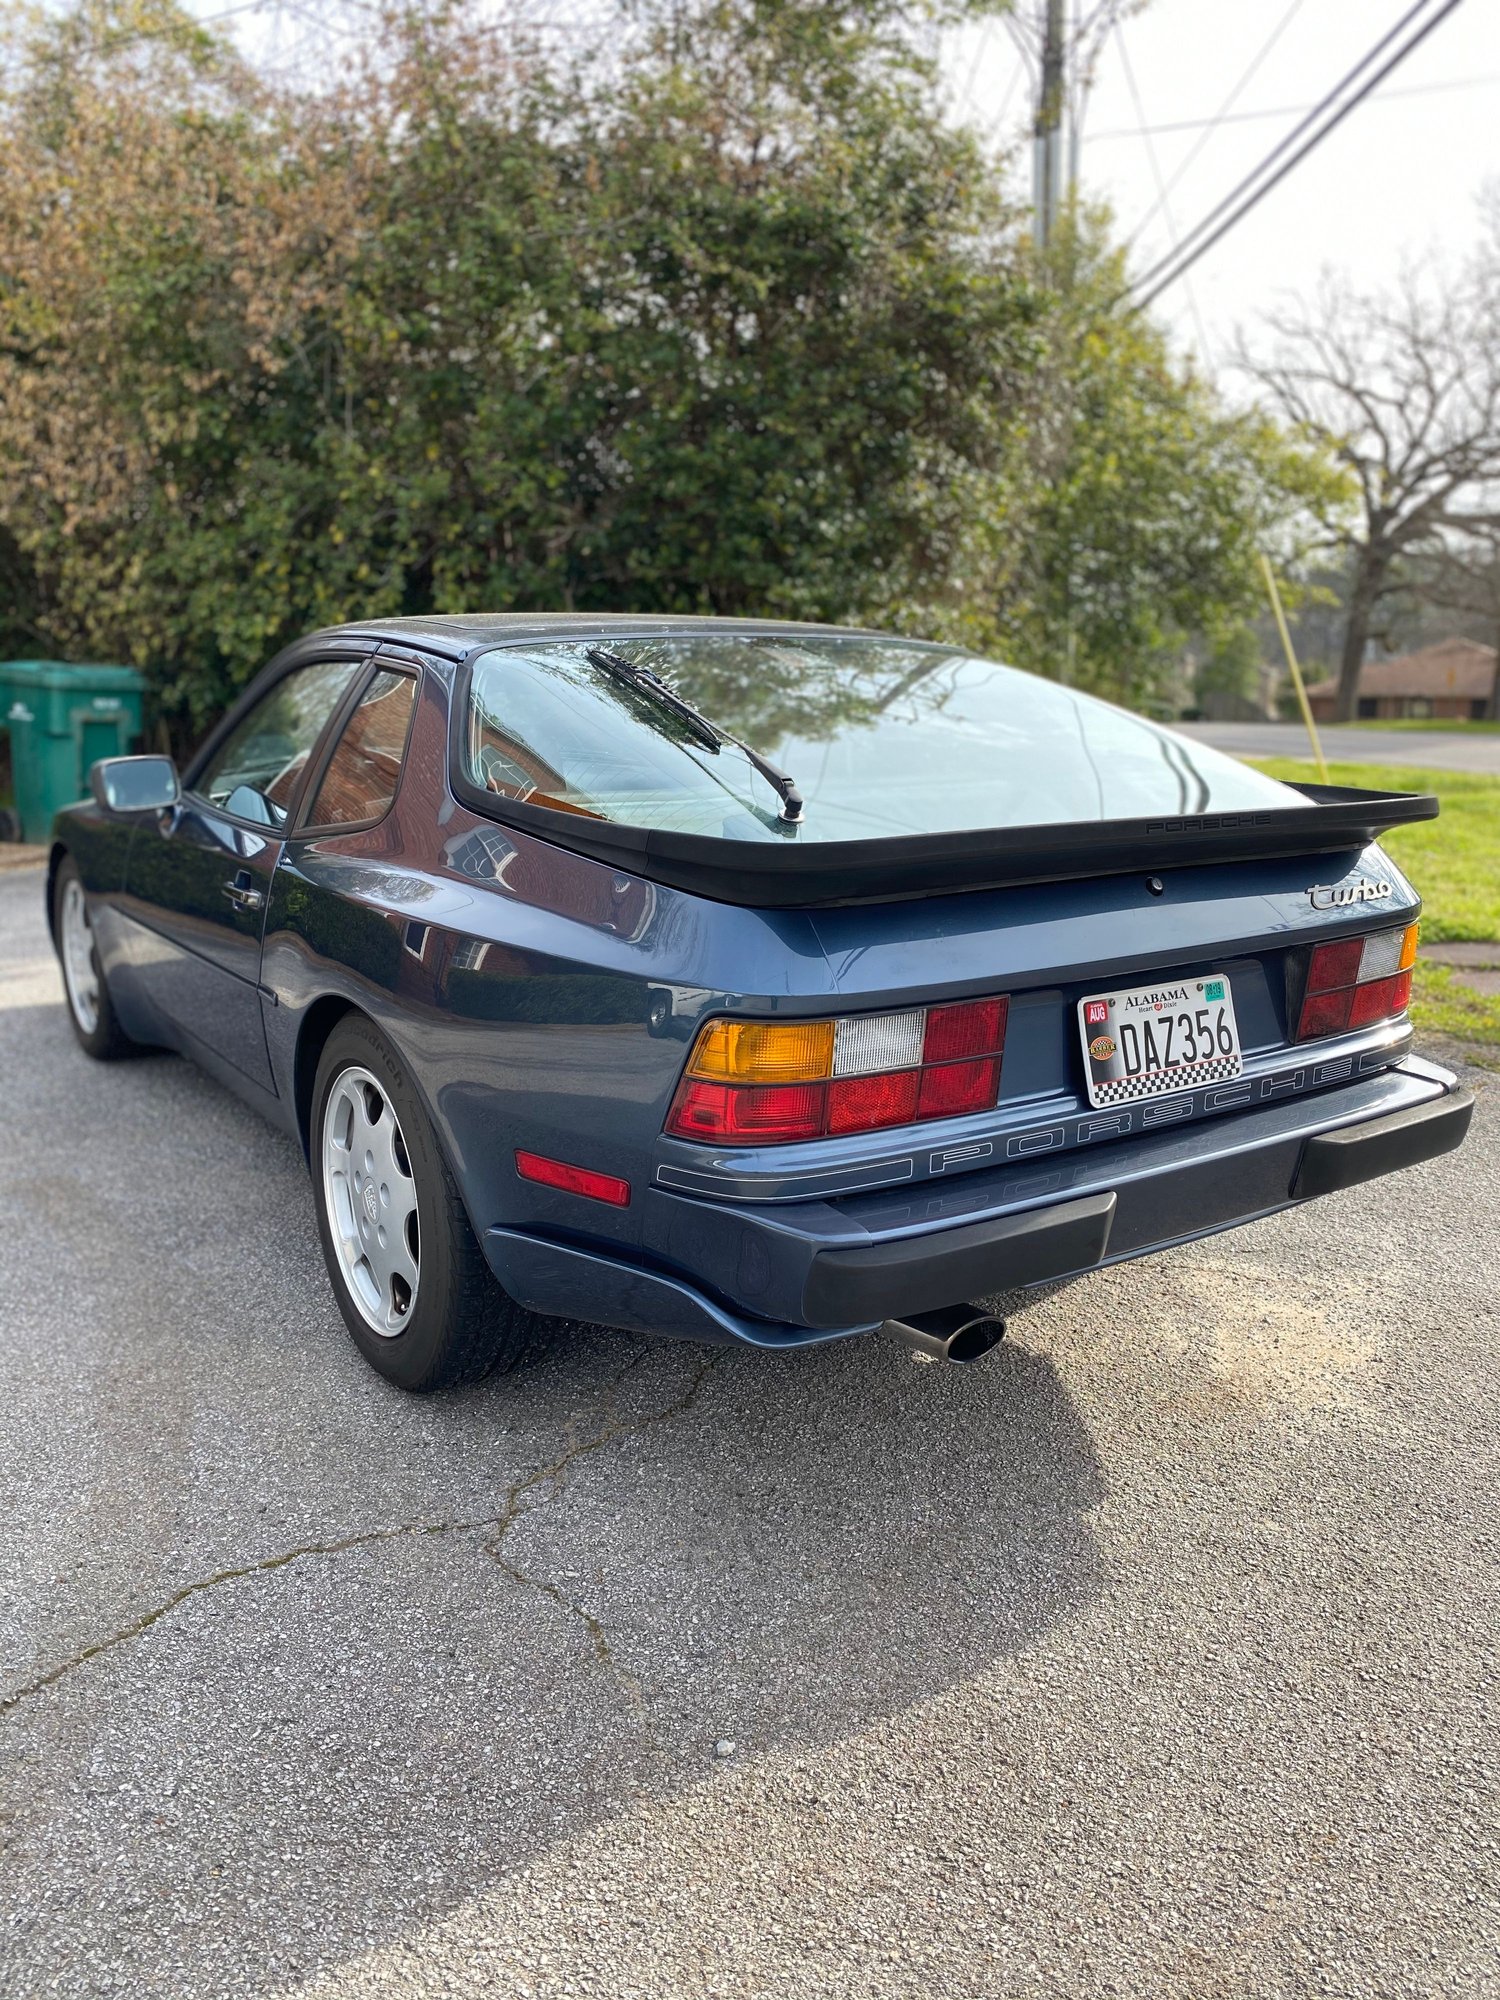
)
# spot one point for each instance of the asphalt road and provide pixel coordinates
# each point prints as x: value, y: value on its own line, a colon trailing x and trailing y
x: 1153, y: 1656
x: 1427, y: 749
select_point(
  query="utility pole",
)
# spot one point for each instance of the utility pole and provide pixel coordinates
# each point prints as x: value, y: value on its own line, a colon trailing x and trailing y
x: 1047, y: 147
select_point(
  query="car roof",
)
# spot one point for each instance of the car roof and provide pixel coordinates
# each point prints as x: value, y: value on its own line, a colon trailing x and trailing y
x: 461, y: 635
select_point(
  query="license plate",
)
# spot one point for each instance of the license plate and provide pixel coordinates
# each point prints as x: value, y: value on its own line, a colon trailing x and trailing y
x: 1150, y: 1040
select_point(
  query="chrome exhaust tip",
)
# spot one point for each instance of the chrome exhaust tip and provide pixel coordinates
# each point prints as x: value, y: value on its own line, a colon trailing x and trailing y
x: 951, y: 1333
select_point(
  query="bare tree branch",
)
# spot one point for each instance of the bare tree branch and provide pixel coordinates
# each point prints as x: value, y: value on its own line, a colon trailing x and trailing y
x: 1403, y: 388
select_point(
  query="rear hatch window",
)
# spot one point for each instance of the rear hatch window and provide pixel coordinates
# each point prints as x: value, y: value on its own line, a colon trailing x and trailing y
x: 884, y: 739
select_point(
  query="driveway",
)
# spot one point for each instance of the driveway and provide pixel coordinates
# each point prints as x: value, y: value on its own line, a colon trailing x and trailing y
x: 1155, y: 1655
x: 1428, y: 749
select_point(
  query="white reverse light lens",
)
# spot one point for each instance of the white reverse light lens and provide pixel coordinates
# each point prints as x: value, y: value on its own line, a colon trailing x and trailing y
x: 1381, y: 955
x: 871, y: 1042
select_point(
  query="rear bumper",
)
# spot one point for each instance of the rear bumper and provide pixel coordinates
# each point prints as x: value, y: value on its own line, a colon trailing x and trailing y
x: 789, y: 1274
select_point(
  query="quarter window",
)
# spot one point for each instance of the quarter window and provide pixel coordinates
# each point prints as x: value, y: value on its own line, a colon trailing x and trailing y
x: 360, y: 781
x: 255, y: 772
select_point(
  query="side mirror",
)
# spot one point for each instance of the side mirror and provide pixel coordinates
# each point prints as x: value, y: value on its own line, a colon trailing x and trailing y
x: 134, y: 784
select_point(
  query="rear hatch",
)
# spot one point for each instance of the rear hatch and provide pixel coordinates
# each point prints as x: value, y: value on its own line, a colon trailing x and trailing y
x: 1247, y: 932
x: 953, y: 832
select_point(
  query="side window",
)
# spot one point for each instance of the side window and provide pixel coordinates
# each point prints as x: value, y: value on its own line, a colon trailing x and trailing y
x: 360, y: 781
x: 255, y: 771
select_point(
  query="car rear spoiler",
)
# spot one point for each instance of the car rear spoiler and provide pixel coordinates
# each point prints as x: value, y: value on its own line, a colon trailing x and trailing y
x: 820, y: 874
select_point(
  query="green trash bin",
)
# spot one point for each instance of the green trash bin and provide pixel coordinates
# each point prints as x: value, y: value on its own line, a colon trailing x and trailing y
x: 61, y: 719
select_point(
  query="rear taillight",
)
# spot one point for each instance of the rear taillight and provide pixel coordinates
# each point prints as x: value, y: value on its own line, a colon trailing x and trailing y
x: 1357, y: 981
x: 755, y: 1083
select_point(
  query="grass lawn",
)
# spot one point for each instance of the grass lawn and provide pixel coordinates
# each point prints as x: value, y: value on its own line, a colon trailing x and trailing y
x: 1454, y: 863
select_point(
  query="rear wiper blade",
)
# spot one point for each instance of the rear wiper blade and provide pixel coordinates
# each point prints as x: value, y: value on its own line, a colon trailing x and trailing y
x: 652, y: 684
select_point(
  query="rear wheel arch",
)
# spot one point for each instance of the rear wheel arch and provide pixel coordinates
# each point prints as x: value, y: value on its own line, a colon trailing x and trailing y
x: 55, y: 859
x: 319, y: 1022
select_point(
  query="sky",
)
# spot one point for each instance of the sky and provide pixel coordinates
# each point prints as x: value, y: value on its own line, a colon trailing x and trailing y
x: 1400, y: 177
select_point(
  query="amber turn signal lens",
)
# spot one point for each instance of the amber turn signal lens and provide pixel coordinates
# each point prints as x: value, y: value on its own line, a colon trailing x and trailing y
x: 764, y: 1051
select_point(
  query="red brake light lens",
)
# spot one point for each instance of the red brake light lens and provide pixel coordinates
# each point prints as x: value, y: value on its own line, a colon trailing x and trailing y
x: 1335, y: 965
x: 1325, y: 1014
x: 865, y: 1103
x: 748, y: 1116
x: 953, y: 1088
x: 974, y: 1028
x: 1380, y: 1000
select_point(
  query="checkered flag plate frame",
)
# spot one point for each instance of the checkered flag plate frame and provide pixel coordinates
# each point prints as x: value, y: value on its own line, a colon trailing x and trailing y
x: 1189, y: 1077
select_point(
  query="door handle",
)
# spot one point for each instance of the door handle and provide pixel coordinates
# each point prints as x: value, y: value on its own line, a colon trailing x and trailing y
x: 243, y: 893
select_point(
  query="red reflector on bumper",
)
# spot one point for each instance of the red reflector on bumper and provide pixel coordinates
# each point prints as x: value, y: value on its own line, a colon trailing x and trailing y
x: 573, y: 1180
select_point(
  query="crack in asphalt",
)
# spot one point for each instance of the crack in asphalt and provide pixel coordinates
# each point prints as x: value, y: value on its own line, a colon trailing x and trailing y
x: 511, y: 1511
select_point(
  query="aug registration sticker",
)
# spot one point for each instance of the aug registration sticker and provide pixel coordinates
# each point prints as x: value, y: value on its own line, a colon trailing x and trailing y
x: 1151, y: 1040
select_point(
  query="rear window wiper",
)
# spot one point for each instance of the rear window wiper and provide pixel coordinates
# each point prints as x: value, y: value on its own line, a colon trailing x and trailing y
x: 651, y: 684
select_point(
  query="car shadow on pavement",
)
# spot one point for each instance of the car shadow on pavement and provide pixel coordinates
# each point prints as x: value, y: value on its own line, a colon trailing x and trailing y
x: 291, y: 1664
x: 828, y: 1535
x: 452, y: 1675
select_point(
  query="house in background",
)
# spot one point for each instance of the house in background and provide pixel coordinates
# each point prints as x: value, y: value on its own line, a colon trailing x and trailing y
x: 1453, y: 681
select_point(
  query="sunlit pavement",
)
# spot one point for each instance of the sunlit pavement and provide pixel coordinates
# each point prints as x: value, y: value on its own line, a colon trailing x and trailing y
x: 1154, y: 1655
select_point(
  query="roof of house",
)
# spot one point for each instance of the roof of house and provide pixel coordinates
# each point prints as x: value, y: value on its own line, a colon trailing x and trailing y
x: 1459, y: 667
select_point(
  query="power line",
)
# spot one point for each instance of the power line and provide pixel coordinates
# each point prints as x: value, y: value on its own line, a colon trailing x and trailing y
x: 1010, y: 90
x: 1290, y: 138
x: 1161, y: 191
x: 1233, y: 208
x: 1289, y: 110
x: 1227, y: 106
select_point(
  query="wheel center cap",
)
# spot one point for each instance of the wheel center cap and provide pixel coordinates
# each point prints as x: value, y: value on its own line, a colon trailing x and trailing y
x: 372, y: 1201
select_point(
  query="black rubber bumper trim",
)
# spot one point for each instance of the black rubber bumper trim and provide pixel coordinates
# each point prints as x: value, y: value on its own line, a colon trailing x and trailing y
x: 913, y: 1274
x: 1355, y: 1153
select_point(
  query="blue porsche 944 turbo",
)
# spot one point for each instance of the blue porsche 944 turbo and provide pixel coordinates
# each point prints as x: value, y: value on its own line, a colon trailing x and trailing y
x: 744, y: 982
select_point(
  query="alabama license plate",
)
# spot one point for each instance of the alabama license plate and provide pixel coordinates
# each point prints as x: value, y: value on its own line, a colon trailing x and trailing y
x: 1151, y: 1040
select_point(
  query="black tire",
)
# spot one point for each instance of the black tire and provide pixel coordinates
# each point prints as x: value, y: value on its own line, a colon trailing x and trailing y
x: 105, y: 1040
x: 462, y: 1326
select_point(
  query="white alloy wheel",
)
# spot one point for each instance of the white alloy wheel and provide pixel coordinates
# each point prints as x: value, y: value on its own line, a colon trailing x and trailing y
x: 80, y: 975
x: 371, y: 1201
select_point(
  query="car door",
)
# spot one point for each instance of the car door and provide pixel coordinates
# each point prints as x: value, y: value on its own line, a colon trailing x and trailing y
x: 198, y: 879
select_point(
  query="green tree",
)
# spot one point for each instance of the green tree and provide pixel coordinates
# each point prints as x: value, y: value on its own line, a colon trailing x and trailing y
x: 1152, y: 498
x: 1232, y: 668
x: 730, y: 321
x: 734, y: 325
